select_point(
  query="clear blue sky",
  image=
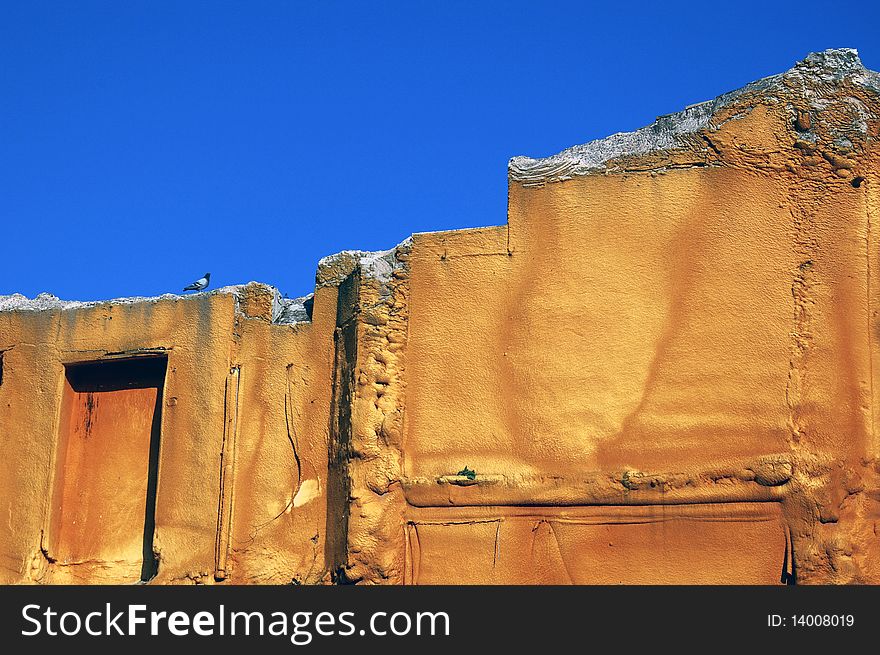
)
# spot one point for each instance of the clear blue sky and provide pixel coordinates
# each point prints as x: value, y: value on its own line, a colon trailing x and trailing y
x: 144, y: 143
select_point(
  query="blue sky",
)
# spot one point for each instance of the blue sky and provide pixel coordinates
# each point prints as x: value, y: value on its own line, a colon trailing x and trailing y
x: 144, y: 143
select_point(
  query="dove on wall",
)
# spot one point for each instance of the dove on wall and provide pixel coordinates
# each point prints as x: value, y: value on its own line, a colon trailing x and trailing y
x: 199, y: 284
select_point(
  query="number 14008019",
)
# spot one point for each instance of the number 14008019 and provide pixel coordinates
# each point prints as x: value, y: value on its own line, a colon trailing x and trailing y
x: 811, y: 621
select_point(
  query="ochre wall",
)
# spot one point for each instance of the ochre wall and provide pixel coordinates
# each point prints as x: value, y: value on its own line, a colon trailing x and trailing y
x: 694, y: 329
x: 276, y: 478
x: 658, y: 544
x: 662, y: 369
x: 280, y: 480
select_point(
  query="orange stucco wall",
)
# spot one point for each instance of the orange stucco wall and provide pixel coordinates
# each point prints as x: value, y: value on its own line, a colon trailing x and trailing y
x: 661, y: 369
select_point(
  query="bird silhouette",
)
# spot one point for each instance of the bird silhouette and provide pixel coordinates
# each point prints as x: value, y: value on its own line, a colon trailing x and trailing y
x: 198, y: 285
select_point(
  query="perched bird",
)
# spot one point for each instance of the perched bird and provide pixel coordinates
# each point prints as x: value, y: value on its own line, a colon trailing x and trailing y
x: 198, y: 285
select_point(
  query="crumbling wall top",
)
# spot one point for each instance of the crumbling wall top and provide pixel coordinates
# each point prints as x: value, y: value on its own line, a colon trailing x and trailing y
x: 254, y: 299
x: 815, y: 78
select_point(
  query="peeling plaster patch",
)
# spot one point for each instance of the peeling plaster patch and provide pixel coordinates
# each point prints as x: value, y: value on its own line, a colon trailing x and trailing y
x: 308, y: 491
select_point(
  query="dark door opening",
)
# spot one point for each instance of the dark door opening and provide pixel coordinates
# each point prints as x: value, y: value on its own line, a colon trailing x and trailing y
x: 104, y: 499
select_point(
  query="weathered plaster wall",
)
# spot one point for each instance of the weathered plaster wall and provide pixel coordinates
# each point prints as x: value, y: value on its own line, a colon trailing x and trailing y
x: 661, y: 369
x: 194, y: 333
x: 688, y: 323
x: 668, y: 544
x: 239, y: 489
x: 278, y: 503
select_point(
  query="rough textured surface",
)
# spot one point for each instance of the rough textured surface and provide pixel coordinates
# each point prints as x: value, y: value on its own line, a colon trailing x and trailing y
x: 238, y: 394
x: 662, y: 369
x: 807, y: 81
x: 252, y: 299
